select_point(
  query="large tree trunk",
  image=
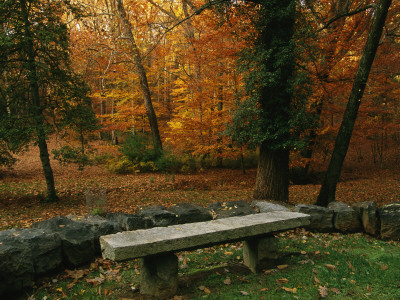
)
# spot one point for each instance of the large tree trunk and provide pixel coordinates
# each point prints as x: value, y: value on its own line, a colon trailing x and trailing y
x: 272, y: 182
x: 37, y: 112
x: 328, y: 188
x: 137, y: 60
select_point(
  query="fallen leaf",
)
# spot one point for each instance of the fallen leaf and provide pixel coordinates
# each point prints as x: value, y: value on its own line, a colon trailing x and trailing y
x: 351, y: 267
x: 204, y: 289
x: 384, y: 267
x: 76, y: 274
x: 303, y: 252
x: 264, y: 289
x: 336, y: 291
x: 282, y: 267
x: 70, y: 285
x: 95, y: 281
x: 244, y: 293
x: 317, y: 252
x: 323, y: 291
x: 227, y: 281
x: 369, y: 288
x: 330, y: 267
x: 294, y: 290
x: 316, y: 280
x: 352, y: 281
x: 282, y: 280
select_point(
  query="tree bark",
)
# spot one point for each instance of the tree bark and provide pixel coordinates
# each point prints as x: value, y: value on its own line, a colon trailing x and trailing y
x: 137, y: 60
x: 37, y: 112
x: 272, y: 182
x: 327, y: 193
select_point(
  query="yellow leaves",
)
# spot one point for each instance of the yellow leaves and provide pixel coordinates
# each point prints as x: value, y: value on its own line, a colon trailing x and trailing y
x: 290, y: 290
x: 282, y: 267
x: 175, y: 125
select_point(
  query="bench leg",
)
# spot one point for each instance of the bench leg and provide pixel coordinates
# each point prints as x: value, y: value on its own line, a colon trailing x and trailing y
x: 258, y: 250
x: 159, y: 276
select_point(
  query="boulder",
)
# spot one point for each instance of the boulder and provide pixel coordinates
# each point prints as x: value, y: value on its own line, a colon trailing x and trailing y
x: 369, y: 217
x: 130, y: 222
x: 77, y: 239
x: 321, y: 217
x: 45, y: 248
x: 158, y: 214
x: 190, y: 213
x: 230, y: 209
x: 16, y: 264
x: 390, y: 221
x: 266, y: 206
x: 346, y: 219
x: 99, y: 226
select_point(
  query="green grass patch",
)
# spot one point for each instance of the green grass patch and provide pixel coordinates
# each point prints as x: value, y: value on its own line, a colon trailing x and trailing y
x: 313, y: 266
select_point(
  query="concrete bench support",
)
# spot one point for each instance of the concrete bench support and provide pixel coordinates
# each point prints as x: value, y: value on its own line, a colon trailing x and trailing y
x: 256, y: 251
x: 159, y: 275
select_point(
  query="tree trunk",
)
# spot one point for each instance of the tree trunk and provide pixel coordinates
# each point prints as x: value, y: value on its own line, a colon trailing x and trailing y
x: 36, y: 108
x: 272, y: 182
x: 328, y: 188
x: 137, y: 60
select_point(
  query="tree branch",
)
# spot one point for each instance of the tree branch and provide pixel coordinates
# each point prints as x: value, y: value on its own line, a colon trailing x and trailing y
x: 350, y: 13
x: 196, y: 12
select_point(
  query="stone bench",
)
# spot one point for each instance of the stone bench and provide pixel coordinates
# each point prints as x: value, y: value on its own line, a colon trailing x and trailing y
x: 156, y: 246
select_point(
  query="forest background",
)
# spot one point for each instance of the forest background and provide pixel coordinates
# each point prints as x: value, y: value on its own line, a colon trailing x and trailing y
x: 173, y: 67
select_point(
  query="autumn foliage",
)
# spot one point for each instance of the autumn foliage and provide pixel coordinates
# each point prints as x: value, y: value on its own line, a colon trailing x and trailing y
x: 191, y: 65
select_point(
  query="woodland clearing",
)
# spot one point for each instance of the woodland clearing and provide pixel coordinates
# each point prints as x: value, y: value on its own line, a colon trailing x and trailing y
x: 23, y: 187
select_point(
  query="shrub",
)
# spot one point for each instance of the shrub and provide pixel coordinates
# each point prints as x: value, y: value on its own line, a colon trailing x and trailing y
x: 75, y: 155
x: 138, y: 148
x: 120, y: 165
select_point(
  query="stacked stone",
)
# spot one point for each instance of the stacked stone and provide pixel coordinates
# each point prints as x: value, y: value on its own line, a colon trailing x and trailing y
x: 27, y: 254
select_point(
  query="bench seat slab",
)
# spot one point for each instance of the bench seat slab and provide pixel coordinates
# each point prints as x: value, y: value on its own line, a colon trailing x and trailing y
x: 160, y: 240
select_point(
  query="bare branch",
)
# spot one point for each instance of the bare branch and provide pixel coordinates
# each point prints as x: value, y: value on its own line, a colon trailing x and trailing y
x: 196, y: 12
x: 350, y: 13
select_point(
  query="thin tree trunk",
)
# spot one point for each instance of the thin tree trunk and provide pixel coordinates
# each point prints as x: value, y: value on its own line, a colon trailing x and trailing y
x: 137, y: 60
x: 328, y: 188
x: 36, y: 108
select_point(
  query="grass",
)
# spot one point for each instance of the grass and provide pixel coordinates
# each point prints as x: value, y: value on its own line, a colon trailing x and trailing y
x: 313, y: 266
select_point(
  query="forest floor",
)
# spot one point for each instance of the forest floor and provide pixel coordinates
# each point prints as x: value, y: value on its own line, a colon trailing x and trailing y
x: 22, y: 187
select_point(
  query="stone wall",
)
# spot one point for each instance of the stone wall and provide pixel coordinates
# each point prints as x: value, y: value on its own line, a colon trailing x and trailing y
x: 71, y: 241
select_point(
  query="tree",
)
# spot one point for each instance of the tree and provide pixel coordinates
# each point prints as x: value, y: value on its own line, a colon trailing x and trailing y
x: 37, y: 81
x: 136, y: 58
x: 271, y: 65
x: 328, y: 188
